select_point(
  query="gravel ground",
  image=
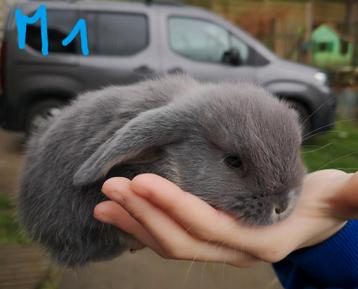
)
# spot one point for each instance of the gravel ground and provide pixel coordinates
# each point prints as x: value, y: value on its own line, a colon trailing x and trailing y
x: 146, y: 270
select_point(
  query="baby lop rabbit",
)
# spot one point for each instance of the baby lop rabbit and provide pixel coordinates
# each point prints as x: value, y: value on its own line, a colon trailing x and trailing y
x: 233, y: 145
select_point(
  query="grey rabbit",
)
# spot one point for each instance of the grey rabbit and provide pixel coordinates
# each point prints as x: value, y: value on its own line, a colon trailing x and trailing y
x: 233, y: 145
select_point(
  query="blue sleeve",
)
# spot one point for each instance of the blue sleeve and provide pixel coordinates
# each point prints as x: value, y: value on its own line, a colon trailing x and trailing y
x: 331, y: 264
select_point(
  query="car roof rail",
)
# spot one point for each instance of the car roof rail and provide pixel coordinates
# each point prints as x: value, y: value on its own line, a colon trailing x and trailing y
x: 161, y: 2
x: 147, y: 2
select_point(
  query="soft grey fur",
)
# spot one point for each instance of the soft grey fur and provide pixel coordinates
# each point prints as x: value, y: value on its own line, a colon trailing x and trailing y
x: 175, y: 127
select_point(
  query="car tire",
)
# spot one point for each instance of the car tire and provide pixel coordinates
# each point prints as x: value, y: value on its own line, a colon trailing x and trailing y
x: 304, y: 117
x: 40, y: 113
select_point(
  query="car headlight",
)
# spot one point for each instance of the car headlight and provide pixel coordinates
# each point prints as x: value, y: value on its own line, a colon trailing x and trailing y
x: 321, y: 77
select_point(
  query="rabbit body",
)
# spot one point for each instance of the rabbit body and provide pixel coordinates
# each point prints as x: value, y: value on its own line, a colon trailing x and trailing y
x: 233, y: 145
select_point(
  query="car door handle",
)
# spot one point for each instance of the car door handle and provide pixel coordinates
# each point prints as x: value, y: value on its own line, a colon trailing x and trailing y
x: 176, y: 70
x: 144, y: 69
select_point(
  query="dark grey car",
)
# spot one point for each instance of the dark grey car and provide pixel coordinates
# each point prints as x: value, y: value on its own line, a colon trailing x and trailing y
x: 132, y: 41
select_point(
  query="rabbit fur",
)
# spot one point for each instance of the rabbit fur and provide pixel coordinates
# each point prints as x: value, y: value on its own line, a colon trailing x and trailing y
x: 176, y: 127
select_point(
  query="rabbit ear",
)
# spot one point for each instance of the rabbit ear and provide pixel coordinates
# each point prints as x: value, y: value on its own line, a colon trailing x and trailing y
x: 149, y: 129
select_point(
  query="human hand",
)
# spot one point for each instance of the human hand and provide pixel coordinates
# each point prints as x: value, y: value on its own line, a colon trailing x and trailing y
x: 179, y: 225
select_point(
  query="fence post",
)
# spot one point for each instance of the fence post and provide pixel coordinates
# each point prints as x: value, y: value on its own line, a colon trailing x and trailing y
x: 352, y: 21
x: 308, y: 29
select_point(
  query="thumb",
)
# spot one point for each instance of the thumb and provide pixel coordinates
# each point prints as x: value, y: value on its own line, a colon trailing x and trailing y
x: 346, y: 200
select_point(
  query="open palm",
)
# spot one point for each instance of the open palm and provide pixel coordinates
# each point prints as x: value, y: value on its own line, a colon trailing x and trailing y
x: 179, y: 225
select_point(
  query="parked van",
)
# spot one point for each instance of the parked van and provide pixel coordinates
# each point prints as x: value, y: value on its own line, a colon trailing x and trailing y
x: 129, y: 42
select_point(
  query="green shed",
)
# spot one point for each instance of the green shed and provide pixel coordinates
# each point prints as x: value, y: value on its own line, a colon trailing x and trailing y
x: 331, y: 50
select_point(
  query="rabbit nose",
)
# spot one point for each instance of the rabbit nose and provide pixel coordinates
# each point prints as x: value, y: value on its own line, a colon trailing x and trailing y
x: 280, y: 208
x: 283, y: 205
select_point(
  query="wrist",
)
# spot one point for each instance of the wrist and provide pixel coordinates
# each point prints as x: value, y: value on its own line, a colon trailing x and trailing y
x: 323, y: 236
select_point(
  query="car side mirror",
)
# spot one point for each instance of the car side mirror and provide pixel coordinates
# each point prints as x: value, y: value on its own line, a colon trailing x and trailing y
x: 232, y: 57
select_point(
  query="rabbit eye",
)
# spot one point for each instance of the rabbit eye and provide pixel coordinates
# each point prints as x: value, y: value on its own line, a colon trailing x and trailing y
x: 233, y: 161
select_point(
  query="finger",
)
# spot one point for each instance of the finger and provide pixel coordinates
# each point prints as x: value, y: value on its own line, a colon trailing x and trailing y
x: 192, y: 212
x: 206, y: 223
x: 174, y: 241
x: 112, y: 213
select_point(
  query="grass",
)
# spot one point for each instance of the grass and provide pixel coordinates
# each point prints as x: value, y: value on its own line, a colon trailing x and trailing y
x: 336, y: 149
x: 10, y: 232
x: 51, y: 280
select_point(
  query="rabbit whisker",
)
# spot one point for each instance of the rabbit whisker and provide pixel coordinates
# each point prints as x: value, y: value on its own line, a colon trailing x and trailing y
x: 320, y: 148
x: 336, y: 159
x: 327, y: 125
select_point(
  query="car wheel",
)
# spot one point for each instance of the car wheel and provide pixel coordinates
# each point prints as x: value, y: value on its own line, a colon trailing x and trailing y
x: 304, y: 117
x: 41, y: 113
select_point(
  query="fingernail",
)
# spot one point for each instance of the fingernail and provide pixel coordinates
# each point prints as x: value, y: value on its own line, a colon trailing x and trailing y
x: 101, y: 213
x: 117, y: 196
x: 103, y: 217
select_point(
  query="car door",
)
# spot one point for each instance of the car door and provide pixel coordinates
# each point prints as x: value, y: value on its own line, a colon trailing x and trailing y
x: 122, y: 49
x: 197, y: 45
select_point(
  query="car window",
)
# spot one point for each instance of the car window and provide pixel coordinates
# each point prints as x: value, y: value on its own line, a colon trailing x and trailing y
x: 202, y: 40
x: 121, y: 34
x: 59, y: 24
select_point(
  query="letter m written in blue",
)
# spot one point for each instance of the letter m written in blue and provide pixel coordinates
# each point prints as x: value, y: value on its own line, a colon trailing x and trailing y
x: 22, y: 21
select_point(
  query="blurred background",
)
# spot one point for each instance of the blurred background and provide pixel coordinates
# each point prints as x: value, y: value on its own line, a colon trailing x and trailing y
x: 322, y: 34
